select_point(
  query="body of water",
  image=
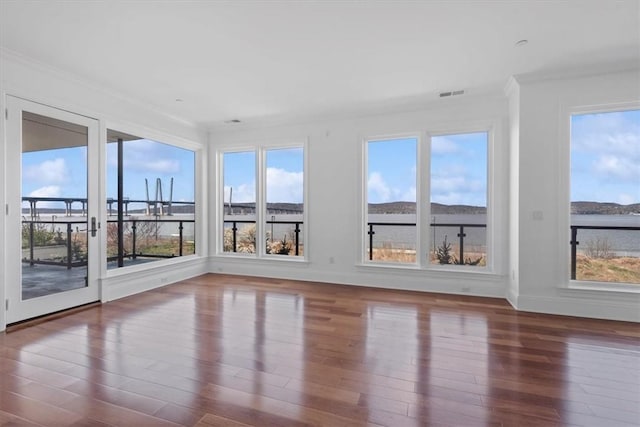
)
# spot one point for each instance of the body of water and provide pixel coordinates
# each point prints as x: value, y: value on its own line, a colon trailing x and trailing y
x: 621, y: 242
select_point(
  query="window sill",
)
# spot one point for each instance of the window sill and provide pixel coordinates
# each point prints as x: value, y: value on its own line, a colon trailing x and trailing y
x: 268, y: 259
x: 602, y: 287
x: 444, y: 271
x: 121, y: 271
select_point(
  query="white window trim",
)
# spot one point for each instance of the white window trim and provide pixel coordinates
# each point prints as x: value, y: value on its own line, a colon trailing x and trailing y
x: 200, y: 165
x: 363, y: 256
x: 219, y: 217
x: 260, y: 151
x: 496, y: 180
x: 564, y: 189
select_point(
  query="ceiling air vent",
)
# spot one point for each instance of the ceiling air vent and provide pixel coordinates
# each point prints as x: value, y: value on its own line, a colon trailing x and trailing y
x: 451, y: 93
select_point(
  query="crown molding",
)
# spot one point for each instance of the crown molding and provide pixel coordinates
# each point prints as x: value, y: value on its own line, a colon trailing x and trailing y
x: 590, y: 70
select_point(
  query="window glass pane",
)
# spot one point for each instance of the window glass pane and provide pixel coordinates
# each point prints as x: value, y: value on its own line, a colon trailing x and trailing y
x: 391, y: 201
x: 239, y: 181
x: 285, y: 201
x: 158, y: 201
x: 54, y: 206
x: 605, y: 197
x: 459, y: 199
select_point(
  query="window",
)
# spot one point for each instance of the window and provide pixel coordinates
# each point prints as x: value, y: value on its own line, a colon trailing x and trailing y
x: 265, y: 216
x: 459, y: 199
x: 239, y: 210
x: 605, y: 197
x: 151, y: 207
x: 454, y: 195
x: 284, y: 185
x: 391, y: 200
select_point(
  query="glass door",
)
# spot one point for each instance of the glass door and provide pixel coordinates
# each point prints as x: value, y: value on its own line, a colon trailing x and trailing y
x: 52, y: 228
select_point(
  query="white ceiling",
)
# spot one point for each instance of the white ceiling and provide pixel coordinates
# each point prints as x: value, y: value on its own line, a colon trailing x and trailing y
x: 262, y: 60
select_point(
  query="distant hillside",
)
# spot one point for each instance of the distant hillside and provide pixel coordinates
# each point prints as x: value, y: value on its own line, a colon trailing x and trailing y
x: 436, y: 208
x: 597, y: 208
x: 580, y: 208
x: 392, y: 208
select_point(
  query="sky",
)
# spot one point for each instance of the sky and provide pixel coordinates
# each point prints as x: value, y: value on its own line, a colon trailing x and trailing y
x: 63, y: 172
x: 284, y: 176
x: 605, y: 167
x: 605, y: 157
x: 458, y: 169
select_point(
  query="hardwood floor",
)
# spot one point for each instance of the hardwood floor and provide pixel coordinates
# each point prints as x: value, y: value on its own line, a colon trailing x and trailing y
x: 222, y: 350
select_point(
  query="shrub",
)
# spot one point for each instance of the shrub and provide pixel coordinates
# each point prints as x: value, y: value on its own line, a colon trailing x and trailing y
x: 444, y: 256
x: 444, y: 252
x: 599, y: 249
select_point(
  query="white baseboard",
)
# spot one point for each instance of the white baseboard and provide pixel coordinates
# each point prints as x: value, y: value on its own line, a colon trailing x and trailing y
x: 388, y: 278
x: 628, y: 311
x: 134, y: 282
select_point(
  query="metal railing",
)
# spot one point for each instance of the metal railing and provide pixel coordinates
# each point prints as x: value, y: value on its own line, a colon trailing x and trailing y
x: 71, y: 258
x: 157, y: 223
x: 574, y: 240
x: 234, y: 230
x: 461, y: 234
x: 68, y: 260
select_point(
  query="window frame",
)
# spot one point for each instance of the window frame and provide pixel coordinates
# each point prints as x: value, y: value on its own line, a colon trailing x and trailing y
x: 364, y: 205
x: 490, y: 208
x: 494, y: 243
x: 260, y: 150
x: 564, y: 222
x: 220, y: 199
x: 199, y: 172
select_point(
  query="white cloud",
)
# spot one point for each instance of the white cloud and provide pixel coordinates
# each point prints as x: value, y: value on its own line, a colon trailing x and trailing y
x: 145, y: 156
x: 153, y: 165
x: 243, y: 193
x: 458, y: 189
x: 409, y: 195
x: 443, y: 145
x: 606, y: 133
x: 622, y: 168
x: 50, y: 171
x: 627, y: 199
x: 379, y: 191
x: 284, y: 186
x: 48, y: 191
x: 440, y: 185
x: 613, y: 141
x: 452, y: 199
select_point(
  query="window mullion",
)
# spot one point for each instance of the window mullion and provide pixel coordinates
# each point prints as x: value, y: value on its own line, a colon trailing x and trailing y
x: 261, y: 208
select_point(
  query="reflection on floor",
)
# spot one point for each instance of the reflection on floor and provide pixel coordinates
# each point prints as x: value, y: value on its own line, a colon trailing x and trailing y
x: 225, y: 350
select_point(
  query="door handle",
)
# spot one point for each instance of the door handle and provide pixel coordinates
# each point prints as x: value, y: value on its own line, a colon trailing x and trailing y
x: 94, y: 230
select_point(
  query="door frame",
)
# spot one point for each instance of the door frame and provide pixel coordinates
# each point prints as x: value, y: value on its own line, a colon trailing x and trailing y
x: 18, y: 309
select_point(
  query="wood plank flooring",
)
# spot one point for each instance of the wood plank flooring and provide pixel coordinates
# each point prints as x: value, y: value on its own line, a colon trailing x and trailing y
x: 222, y: 350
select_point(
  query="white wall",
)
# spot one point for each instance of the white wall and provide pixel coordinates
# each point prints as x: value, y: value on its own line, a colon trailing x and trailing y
x: 334, y: 198
x: 37, y: 82
x: 513, y: 93
x: 533, y: 211
x: 541, y: 149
